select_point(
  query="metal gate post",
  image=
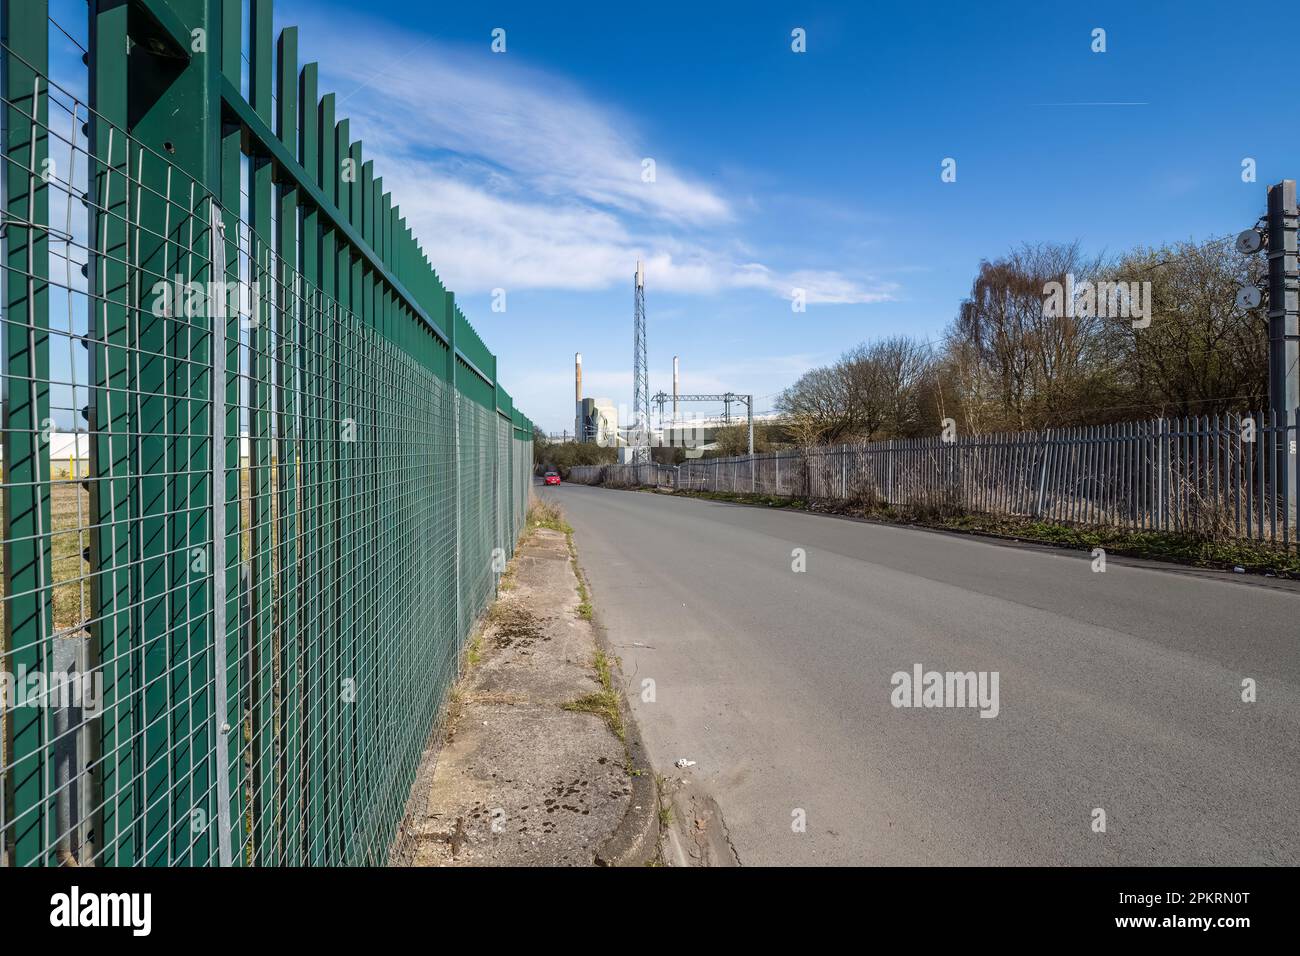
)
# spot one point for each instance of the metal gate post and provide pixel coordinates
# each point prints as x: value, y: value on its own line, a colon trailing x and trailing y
x: 1284, y: 332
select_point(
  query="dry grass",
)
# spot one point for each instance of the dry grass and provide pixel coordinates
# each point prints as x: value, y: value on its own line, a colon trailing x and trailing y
x: 931, y: 509
x: 70, y: 522
x: 69, y: 535
x: 546, y: 514
x: 1204, y: 516
x: 604, y: 703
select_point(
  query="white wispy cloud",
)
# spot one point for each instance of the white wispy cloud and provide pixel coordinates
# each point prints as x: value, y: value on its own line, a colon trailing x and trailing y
x: 504, y: 121
x: 513, y: 177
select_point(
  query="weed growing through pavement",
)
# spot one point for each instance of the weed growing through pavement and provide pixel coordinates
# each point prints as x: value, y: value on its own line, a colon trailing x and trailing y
x: 585, y: 610
x: 665, y: 802
x: 544, y: 514
x: 665, y: 814
x: 603, y: 703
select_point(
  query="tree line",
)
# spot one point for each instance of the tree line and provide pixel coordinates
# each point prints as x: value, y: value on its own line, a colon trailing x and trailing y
x: 1050, y: 337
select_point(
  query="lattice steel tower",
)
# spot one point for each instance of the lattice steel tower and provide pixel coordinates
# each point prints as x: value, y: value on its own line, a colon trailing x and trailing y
x: 639, y: 439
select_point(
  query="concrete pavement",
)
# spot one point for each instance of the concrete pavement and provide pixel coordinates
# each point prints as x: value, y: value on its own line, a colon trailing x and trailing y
x: 1119, y: 691
x: 519, y: 779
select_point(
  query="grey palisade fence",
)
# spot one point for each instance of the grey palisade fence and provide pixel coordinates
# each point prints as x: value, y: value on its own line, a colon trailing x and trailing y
x: 1225, y: 474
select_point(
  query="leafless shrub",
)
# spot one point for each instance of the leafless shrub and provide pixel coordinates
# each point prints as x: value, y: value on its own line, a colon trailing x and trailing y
x: 865, y: 497
x: 1203, y: 514
x: 933, y: 507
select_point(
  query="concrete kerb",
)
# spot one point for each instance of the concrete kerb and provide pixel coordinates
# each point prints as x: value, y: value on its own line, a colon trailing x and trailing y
x: 636, y: 840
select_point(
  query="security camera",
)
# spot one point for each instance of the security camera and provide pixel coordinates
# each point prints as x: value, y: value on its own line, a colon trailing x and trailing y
x: 1248, y: 298
x: 1249, y: 242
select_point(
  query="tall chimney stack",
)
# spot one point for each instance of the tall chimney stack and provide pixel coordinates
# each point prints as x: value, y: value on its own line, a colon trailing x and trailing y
x: 674, y: 388
x: 577, y: 396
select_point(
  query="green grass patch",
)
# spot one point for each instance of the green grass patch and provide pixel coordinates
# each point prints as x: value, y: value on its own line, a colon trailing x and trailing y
x: 1189, y: 549
x: 665, y: 802
x: 1195, y: 550
x: 1184, y: 549
x: 585, y: 610
x: 546, y: 514
x: 603, y: 703
x: 601, y: 662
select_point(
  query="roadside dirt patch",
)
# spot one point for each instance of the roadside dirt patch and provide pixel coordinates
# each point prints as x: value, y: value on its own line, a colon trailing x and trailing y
x: 514, y: 624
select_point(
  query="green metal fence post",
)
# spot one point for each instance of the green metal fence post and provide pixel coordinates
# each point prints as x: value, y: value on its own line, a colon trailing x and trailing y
x: 264, y: 633
x: 287, y: 453
x: 366, y: 525
x: 29, y: 814
x: 312, y: 464
x: 449, y: 304
x: 349, y: 372
x: 110, y: 426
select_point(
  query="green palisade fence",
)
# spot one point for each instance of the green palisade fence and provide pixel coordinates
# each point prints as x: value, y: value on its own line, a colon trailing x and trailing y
x: 259, y: 476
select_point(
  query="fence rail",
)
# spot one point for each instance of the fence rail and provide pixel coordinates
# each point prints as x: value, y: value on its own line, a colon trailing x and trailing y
x: 228, y: 634
x: 1226, y: 475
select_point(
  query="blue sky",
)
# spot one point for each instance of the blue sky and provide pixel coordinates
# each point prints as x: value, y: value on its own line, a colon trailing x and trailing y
x: 777, y: 170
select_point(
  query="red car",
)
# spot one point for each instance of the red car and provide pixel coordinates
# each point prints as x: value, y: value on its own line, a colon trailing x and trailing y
x: 552, y: 478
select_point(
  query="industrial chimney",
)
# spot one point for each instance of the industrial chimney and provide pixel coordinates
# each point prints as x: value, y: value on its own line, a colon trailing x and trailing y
x: 674, y: 389
x: 577, y: 396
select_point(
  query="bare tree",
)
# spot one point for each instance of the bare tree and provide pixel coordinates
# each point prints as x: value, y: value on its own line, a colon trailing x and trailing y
x: 818, y: 407
x: 904, y: 368
x: 734, y: 439
x: 1012, y: 361
x: 1030, y: 362
x: 1200, y: 354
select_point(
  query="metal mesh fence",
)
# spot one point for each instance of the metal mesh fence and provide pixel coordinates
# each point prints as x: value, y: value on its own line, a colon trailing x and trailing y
x: 254, y: 493
x: 1229, y: 476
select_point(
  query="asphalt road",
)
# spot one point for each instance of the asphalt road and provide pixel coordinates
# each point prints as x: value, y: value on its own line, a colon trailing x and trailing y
x: 1118, y: 690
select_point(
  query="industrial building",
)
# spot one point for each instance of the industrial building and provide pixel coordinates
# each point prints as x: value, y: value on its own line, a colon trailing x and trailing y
x: 598, y: 422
